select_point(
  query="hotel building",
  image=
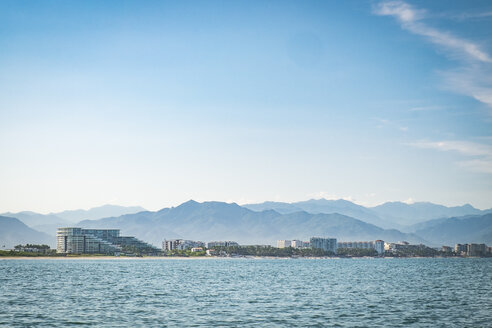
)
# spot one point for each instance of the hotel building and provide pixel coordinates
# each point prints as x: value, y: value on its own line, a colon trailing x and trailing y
x: 378, y: 245
x: 95, y: 241
x: 180, y: 244
x: 284, y: 243
x: 227, y: 243
x: 326, y: 244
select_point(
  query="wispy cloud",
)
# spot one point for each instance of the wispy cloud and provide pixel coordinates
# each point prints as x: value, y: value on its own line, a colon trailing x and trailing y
x: 410, y: 19
x: 465, y: 15
x: 426, y: 108
x: 480, y: 154
x: 473, y: 79
x: 463, y: 147
x: 386, y: 122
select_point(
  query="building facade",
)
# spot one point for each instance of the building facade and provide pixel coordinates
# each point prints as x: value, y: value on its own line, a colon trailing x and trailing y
x: 460, y: 248
x: 180, y: 244
x: 377, y: 245
x: 284, y: 243
x: 299, y: 244
x: 326, y: 244
x: 96, y: 241
x: 227, y: 243
x: 476, y: 249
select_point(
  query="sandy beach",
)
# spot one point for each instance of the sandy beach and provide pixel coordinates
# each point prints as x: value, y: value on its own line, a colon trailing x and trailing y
x: 106, y: 258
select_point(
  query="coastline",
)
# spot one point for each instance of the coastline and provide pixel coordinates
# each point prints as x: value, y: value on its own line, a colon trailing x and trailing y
x: 57, y: 258
x: 155, y: 258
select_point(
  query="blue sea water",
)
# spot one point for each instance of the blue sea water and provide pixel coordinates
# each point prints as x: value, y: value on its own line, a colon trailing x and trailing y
x: 246, y: 293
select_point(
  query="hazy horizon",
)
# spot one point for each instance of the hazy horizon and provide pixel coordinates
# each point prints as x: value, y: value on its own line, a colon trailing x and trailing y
x: 160, y: 102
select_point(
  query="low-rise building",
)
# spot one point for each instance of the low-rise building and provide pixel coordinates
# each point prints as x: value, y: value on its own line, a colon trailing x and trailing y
x: 227, y: 243
x: 196, y: 249
x: 446, y: 249
x: 211, y: 252
x: 31, y: 248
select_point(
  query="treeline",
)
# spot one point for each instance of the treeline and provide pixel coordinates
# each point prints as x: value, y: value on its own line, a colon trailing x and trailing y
x: 43, y: 246
x: 139, y: 251
x: 184, y: 253
x: 13, y: 253
x: 357, y: 252
x: 272, y: 251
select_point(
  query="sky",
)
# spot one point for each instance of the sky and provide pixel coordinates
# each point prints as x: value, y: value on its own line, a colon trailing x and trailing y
x: 154, y: 103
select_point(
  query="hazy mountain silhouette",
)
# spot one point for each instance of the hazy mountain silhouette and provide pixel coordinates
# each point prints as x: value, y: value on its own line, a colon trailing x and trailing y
x: 48, y: 223
x: 98, y: 212
x: 396, y: 215
x: 14, y: 232
x: 409, y: 214
x: 222, y: 221
x: 450, y: 231
x: 326, y: 206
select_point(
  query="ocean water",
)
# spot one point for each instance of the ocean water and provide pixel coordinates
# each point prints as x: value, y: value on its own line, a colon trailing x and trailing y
x: 246, y: 293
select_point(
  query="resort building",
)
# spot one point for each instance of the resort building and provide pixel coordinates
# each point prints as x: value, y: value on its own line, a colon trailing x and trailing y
x: 377, y: 245
x: 180, y: 244
x: 96, y: 241
x: 227, y: 243
x: 326, y: 244
x: 476, y: 249
x: 460, y: 248
x: 283, y: 243
x: 299, y: 244
x: 446, y: 249
x: 473, y: 249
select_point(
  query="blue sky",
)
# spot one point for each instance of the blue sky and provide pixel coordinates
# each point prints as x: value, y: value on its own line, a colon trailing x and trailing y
x: 156, y: 103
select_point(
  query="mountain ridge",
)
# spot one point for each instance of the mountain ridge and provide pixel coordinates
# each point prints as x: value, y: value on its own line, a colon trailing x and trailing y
x: 218, y: 220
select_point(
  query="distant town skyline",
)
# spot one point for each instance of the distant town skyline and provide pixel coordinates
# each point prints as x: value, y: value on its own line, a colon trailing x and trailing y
x: 157, y: 103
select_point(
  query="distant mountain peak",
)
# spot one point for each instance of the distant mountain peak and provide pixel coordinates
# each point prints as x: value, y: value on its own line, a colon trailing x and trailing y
x: 189, y: 203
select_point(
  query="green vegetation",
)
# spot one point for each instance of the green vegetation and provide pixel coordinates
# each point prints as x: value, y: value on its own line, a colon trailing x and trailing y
x: 272, y: 251
x: 27, y: 254
x: 185, y: 253
x: 357, y: 252
x: 133, y: 250
x: 43, y: 246
x: 415, y: 251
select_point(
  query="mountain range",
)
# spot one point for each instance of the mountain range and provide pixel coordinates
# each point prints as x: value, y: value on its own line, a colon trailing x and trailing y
x: 391, y: 215
x: 48, y: 223
x: 14, y: 232
x: 266, y: 222
x: 219, y: 221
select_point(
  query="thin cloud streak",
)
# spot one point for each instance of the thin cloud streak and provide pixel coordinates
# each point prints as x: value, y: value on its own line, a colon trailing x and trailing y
x: 482, y: 153
x: 466, y: 15
x: 410, y: 17
x: 463, y: 147
x: 471, y: 80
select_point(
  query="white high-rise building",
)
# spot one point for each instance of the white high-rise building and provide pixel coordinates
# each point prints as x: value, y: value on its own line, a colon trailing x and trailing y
x: 378, y: 245
x: 299, y: 244
x: 284, y: 243
x: 326, y: 244
x: 180, y: 244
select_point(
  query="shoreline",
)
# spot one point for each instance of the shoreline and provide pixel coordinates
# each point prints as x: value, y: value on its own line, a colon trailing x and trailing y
x: 155, y: 258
